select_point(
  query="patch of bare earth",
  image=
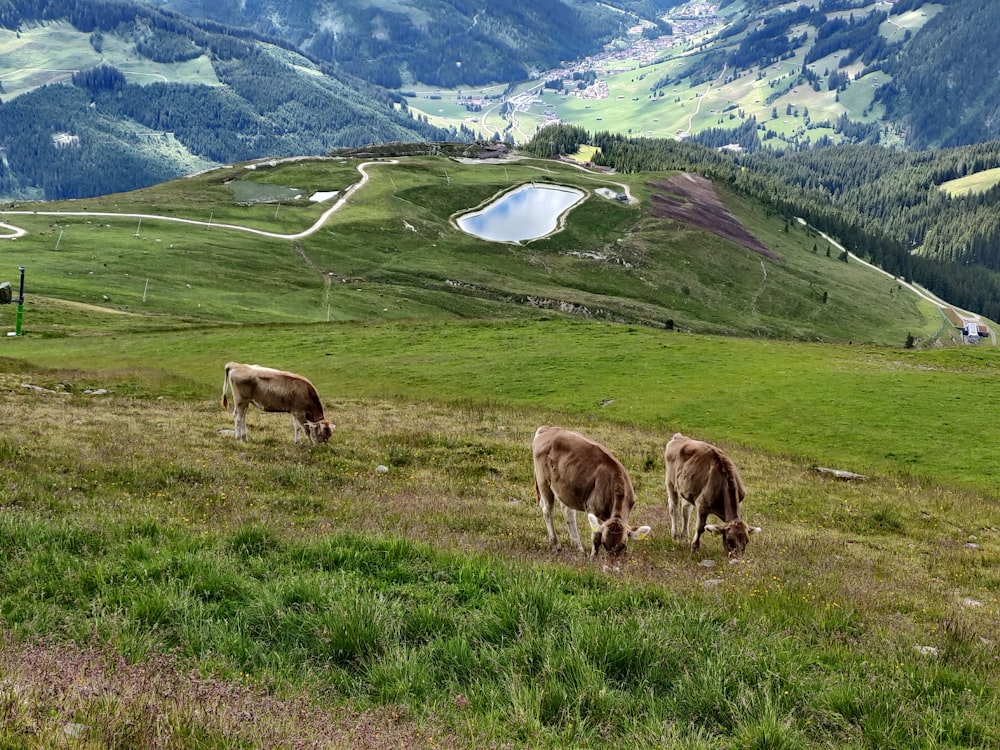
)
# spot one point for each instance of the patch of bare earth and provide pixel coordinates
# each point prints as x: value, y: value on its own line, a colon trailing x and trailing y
x: 692, y: 199
x: 60, y: 692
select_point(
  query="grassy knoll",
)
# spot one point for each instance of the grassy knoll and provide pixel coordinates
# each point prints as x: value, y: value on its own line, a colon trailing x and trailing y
x: 979, y: 182
x: 51, y: 52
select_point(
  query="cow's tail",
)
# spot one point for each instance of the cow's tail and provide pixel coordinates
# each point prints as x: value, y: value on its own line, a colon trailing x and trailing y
x: 225, y: 386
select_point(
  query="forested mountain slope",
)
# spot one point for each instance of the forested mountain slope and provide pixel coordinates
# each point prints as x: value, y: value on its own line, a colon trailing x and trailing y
x: 102, y: 130
x: 910, y: 72
x: 945, y: 90
x: 447, y: 43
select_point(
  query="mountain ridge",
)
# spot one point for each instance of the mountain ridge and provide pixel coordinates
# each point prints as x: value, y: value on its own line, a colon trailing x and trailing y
x: 96, y: 131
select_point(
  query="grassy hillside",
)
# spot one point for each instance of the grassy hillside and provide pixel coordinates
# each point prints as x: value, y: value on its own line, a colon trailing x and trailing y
x: 115, y: 96
x: 51, y: 52
x: 392, y: 253
x: 979, y: 182
x: 164, y: 586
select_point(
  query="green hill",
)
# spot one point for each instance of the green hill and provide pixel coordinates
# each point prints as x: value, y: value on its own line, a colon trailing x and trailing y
x: 394, y: 253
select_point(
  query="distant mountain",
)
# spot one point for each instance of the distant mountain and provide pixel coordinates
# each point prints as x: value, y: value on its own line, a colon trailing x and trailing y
x: 99, y: 130
x: 929, y: 69
x: 146, y: 93
x: 446, y: 43
x: 945, y: 88
x: 925, y: 68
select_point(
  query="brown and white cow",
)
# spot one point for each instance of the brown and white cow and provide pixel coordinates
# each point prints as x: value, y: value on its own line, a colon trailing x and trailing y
x: 583, y: 475
x: 277, y: 391
x: 703, y: 480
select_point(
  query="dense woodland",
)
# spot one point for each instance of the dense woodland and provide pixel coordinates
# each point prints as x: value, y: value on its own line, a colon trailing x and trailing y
x: 882, y: 204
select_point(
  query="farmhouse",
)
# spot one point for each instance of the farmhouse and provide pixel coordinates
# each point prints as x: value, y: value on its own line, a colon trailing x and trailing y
x: 973, y: 331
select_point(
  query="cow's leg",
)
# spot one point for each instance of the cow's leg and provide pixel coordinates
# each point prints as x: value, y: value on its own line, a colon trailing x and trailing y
x: 545, y: 501
x: 296, y: 426
x: 678, y: 522
x: 240, y: 421
x: 699, y: 518
x: 574, y: 534
x: 685, y: 515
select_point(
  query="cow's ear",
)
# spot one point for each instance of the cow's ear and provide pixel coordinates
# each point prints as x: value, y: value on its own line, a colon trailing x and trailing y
x: 641, y: 533
x: 755, y: 529
x: 595, y: 525
x: 713, y: 528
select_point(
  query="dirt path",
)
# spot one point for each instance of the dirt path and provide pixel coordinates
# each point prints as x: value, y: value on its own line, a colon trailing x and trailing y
x: 700, y: 97
x: 15, y: 232
x: 941, y: 305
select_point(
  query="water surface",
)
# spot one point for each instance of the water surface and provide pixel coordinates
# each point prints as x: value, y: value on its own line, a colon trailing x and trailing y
x: 529, y: 212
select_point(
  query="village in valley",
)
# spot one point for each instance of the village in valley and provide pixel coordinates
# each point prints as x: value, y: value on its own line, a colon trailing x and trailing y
x: 584, y: 79
x: 686, y: 22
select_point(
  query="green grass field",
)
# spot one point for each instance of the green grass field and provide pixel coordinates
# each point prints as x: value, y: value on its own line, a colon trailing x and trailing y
x: 165, y: 586
x: 979, y: 182
x: 393, y: 253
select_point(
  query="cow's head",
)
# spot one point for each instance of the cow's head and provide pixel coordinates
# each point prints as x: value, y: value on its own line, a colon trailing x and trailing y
x: 735, y: 536
x: 319, y: 432
x: 614, y: 534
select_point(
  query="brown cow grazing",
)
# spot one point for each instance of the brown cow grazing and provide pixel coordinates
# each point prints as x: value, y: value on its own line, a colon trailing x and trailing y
x: 278, y: 391
x: 583, y: 475
x: 702, y: 479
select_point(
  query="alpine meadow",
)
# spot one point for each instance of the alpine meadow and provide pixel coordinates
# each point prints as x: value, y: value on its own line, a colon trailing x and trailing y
x: 164, y: 585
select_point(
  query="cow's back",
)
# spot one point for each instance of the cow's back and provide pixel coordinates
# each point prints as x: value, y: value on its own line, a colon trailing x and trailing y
x: 275, y: 390
x: 582, y: 473
x: 696, y: 469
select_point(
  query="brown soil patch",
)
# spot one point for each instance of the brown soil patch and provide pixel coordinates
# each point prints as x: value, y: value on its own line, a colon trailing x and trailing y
x: 56, y: 692
x: 692, y: 199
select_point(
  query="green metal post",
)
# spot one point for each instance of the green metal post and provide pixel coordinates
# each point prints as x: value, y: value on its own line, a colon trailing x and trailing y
x: 20, y: 304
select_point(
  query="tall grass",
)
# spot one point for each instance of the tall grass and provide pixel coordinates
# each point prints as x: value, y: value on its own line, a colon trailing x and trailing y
x: 292, y: 576
x: 917, y: 415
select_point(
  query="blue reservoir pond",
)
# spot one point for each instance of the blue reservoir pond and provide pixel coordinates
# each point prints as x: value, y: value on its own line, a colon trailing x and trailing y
x: 529, y: 212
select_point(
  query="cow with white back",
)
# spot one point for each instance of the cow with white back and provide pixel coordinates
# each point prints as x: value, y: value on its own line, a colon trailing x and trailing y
x: 703, y: 480
x: 583, y: 475
x: 275, y: 391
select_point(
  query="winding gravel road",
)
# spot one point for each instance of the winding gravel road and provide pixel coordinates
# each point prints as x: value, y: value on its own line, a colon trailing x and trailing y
x: 15, y: 232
